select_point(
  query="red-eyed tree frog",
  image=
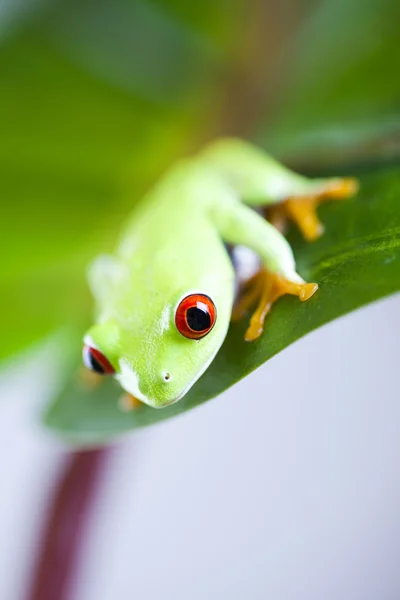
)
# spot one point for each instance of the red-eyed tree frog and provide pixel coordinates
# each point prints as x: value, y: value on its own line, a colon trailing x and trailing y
x: 166, y: 297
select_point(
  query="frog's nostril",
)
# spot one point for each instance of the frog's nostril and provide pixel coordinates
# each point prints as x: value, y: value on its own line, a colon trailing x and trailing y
x: 167, y: 376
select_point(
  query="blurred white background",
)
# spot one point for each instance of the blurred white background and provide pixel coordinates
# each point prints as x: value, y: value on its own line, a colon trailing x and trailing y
x: 286, y: 487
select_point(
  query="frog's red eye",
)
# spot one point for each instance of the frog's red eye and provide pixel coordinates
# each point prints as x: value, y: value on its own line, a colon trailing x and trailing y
x: 195, y: 316
x: 96, y: 361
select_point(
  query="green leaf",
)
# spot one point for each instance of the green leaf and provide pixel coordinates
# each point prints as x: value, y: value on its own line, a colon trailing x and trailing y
x: 356, y: 262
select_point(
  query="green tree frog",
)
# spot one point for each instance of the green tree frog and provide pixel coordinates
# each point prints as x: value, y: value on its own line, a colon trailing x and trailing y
x: 166, y: 297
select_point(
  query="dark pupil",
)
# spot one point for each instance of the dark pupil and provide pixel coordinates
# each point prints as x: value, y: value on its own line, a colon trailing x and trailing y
x: 95, y: 365
x: 198, y: 319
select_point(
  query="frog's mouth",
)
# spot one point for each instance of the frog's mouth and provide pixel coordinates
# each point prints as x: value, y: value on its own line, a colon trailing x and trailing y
x: 127, y: 402
x: 130, y: 382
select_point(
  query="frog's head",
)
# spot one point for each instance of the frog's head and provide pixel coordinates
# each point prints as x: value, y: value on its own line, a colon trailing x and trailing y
x: 159, y: 361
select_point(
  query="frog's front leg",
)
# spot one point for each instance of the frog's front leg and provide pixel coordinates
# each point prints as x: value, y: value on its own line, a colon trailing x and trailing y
x: 265, y: 289
x: 239, y: 224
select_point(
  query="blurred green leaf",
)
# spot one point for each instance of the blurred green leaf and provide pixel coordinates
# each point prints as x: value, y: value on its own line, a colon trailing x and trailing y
x: 341, y: 93
x: 357, y: 261
x: 160, y: 51
x: 63, y: 158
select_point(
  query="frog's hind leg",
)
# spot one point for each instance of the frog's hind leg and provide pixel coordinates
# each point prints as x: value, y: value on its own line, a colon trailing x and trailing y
x: 260, y: 181
x: 302, y: 208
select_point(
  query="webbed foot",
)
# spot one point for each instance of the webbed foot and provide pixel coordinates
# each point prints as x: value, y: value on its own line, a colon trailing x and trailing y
x: 88, y: 379
x: 302, y: 210
x: 127, y: 402
x: 266, y: 288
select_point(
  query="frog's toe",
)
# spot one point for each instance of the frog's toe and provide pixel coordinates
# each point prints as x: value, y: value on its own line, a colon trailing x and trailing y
x: 273, y: 286
x: 339, y: 188
x: 249, y: 296
x: 307, y: 290
x: 302, y: 209
x: 303, y: 212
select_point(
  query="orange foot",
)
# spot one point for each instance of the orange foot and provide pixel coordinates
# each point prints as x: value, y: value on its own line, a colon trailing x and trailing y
x: 266, y: 288
x: 302, y: 209
x: 127, y: 402
x: 89, y: 379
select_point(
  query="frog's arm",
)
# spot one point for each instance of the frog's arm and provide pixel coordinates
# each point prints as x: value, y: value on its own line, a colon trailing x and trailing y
x: 261, y: 181
x: 239, y: 224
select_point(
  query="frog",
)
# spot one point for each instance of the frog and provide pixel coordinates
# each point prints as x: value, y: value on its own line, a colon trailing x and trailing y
x: 166, y: 296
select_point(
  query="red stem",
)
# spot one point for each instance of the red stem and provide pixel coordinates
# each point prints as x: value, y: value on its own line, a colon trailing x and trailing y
x: 64, y: 529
